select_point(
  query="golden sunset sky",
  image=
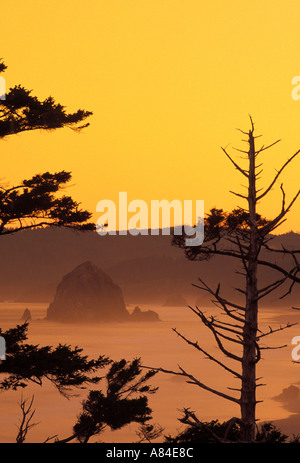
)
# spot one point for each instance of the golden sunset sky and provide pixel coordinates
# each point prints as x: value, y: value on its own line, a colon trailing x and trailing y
x: 168, y: 81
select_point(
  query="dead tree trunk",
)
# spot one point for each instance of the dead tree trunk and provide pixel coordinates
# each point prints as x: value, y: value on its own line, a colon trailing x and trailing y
x: 242, y: 235
x: 248, y: 387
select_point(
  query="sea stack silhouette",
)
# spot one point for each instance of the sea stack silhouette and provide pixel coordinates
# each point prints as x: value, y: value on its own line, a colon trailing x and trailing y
x: 87, y: 294
x: 26, y: 315
x: 141, y: 316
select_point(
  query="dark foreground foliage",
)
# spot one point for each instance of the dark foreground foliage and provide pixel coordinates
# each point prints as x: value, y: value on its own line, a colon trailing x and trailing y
x: 120, y: 397
x: 214, y: 432
x: 63, y: 365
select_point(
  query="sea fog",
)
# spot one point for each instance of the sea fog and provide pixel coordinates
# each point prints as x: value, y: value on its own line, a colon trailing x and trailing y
x: 158, y: 346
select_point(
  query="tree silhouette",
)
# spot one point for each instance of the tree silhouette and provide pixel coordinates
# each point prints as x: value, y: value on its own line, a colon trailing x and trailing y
x: 34, y: 203
x: 245, y: 236
x: 22, y: 112
x: 63, y: 366
x: 214, y: 431
x: 30, y: 204
x: 123, y: 401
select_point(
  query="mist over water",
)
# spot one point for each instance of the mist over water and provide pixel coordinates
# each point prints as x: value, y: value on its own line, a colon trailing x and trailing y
x: 158, y: 346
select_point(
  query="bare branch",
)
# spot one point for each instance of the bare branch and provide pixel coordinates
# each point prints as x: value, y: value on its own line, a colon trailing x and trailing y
x: 273, y: 347
x: 263, y: 292
x: 238, y: 194
x: 277, y: 175
x: 193, y: 380
x: 264, y: 148
x: 272, y: 331
x: 222, y: 301
x: 209, y: 356
x: 274, y: 266
x: 235, y: 164
x: 217, y: 335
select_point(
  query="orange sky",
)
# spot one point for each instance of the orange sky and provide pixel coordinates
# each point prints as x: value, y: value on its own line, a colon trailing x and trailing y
x: 168, y: 81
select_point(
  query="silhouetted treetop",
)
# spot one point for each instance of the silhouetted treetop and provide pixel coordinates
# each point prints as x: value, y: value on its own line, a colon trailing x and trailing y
x: 21, y: 111
x: 33, y: 203
x: 2, y: 66
x: 219, y: 224
x: 123, y: 400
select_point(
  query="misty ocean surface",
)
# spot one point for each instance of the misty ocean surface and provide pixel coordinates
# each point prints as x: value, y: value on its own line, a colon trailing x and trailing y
x: 158, y: 346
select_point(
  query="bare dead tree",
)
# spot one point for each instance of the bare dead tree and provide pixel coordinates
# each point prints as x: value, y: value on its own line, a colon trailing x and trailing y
x: 244, y: 235
x: 25, y: 422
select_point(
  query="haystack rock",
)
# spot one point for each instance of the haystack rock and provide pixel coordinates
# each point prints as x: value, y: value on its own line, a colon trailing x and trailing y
x: 26, y: 315
x: 87, y: 294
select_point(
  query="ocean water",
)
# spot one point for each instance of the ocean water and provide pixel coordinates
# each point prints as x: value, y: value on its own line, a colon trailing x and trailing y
x: 158, y: 346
